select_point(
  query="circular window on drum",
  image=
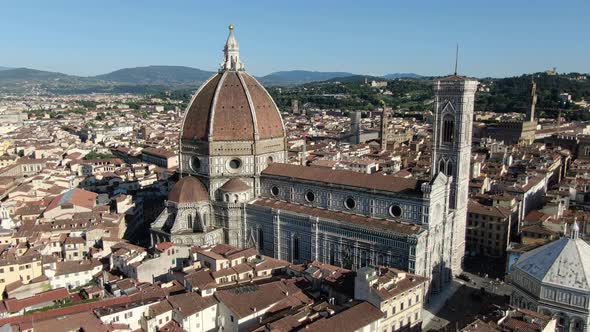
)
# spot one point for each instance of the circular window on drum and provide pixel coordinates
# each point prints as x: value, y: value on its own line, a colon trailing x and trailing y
x: 235, y: 164
x: 395, y: 210
x: 195, y: 164
x: 350, y: 203
x: 310, y: 196
x: 274, y: 191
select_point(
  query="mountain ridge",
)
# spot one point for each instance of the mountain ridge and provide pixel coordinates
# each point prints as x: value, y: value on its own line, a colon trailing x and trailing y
x: 175, y: 75
x: 157, y: 75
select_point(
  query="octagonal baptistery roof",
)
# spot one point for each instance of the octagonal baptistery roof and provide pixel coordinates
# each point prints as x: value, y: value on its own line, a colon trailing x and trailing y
x: 561, y: 263
x: 232, y: 105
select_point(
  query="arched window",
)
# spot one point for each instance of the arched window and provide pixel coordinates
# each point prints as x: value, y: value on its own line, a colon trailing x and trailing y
x: 260, y: 239
x: 442, y: 166
x: 364, y: 258
x: 190, y: 221
x: 332, y: 255
x: 448, y: 129
x: 449, y: 168
x: 295, y: 248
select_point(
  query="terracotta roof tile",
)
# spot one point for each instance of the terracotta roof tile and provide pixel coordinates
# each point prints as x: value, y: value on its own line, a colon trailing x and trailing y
x: 351, y: 319
x: 235, y: 185
x: 188, y: 190
x: 223, y: 109
x: 410, y: 186
x: 245, y: 300
x: 197, y: 117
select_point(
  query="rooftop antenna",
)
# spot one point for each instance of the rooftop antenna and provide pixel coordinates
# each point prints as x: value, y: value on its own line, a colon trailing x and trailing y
x: 456, y: 58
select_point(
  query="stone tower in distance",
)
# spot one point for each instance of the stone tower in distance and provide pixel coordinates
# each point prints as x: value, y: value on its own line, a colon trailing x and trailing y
x: 355, y: 127
x: 454, y: 98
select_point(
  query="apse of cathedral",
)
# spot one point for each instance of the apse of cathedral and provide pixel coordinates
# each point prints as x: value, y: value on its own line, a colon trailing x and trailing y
x: 236, y: 187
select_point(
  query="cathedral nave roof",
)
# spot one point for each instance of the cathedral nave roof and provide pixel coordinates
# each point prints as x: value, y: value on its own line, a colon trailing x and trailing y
x: 376, y: 181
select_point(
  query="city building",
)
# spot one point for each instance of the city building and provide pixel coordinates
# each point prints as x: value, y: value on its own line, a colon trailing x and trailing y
x: 399, y: 295
x: 513, y: 320
x: 160, y: 157
x: 488, y: 229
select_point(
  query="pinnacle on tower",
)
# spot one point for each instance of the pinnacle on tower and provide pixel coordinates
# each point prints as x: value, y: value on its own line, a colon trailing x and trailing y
x: 575, y: 230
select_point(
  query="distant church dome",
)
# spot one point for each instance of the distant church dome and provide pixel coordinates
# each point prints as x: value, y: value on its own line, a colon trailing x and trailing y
x: 189, y: 189
x: 232, y: 105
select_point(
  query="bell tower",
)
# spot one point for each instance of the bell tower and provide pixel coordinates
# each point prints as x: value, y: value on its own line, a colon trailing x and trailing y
x: 454, y: 98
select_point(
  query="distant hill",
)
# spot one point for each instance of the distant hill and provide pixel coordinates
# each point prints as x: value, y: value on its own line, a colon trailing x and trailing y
x: 401, y: 75
x: 355, y: 78
x: 173, y: 76
x: 294, y: 77
x: 27, y: 74
x: 158, y: 75
x: 512, y: 94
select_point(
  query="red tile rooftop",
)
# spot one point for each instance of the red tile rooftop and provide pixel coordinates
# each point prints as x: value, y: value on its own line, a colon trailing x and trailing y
x: 346, y: 178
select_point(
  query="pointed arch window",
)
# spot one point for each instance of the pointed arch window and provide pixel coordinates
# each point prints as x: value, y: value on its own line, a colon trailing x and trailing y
x: 332, y: 255
x: 295, y: 248
x: 364, y: 258
x: 260, y: 239
x: 449, y: 170
x: 442, y: 166
x: 448, y: 129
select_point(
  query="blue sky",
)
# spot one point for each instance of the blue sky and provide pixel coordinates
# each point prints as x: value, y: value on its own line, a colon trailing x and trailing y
x: 497, y: 38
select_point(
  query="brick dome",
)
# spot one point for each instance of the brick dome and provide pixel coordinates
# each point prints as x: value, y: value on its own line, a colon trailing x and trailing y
x: 232, y: 106
x: 189, y: 189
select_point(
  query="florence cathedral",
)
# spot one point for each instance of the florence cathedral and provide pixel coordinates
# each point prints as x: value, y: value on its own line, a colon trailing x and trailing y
x: 237, y: 188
